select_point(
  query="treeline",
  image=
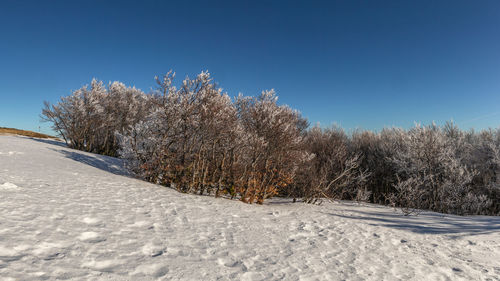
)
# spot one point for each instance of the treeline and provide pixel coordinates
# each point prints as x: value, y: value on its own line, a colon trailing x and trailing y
x: 196, y: 139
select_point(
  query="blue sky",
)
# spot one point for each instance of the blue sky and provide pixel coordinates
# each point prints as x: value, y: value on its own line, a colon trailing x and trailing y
x: 360, y: 64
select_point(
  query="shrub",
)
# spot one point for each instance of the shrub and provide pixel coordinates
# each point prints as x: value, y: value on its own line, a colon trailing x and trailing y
x: 196, y: 139
x: 89, y: 118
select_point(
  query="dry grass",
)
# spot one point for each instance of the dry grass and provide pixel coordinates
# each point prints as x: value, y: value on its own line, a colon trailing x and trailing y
x: 12, y: 131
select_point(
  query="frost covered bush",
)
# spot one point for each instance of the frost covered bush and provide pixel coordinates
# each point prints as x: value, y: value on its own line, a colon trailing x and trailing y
x: 272, y: 146
x: 376, y: 150
x: 189, y: 139
x: 432, y: 173
x: 483, y: 153
x: 89, y: 118
x: 332, y: 170
x: 196, y: 139
x: 427, y: 167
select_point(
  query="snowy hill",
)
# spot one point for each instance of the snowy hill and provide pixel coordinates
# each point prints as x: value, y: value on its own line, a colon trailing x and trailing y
x: 66, y: 214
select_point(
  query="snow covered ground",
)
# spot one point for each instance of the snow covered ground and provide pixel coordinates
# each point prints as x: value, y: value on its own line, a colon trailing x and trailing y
x: 66, y: 214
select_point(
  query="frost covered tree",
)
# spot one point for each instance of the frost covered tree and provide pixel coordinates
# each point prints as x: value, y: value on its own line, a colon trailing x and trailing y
x: 272, y: 146
x: 189, y: 140
x: 199, y: 141
x: 431, y: 174
x: 376, y: 150
x: 89, y: 118
x: 483, y: 153
x: 196, y: 139
x: 332, y: 170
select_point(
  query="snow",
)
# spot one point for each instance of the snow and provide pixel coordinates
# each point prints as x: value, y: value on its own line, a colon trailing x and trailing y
x: 66, y: 214
x: 8, y: 185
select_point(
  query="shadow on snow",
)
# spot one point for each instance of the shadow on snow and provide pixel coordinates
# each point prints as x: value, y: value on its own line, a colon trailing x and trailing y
x: 49, y: 141
x: 102, y: 162
x: 429, y: 223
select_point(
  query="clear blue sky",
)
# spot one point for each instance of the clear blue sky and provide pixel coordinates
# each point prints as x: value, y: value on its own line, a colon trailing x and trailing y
x: 366, y: 64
